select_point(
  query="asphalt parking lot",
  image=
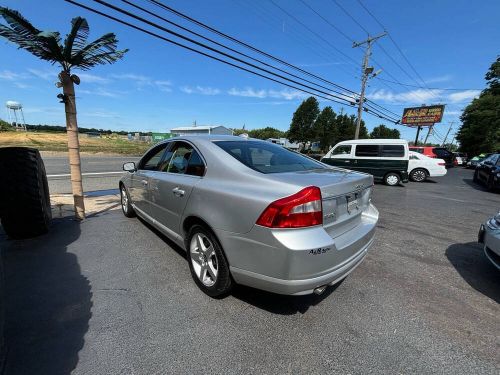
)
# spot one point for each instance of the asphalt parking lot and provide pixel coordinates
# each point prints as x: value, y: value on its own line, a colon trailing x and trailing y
x: 112, y: 296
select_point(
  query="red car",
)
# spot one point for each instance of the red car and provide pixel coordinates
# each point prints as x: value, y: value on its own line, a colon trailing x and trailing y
x: 435, y: 152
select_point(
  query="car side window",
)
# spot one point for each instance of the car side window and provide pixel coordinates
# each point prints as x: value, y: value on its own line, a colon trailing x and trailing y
x: 195, y: 166
x: 152, y: 159
x: 342, y: 150
x: 182, y: 158
x: 367, y: 150
x: 392, y: 151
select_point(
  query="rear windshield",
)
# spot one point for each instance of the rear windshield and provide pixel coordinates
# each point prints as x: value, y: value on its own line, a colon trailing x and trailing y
x: 266, y: 157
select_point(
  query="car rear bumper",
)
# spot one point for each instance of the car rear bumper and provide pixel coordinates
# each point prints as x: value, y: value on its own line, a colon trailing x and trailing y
x: 490, y: 238
x: 303, y: 286
x: 296, y: 262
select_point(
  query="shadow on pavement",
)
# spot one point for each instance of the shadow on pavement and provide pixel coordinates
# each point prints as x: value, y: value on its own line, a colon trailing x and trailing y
x: 48, y: 302
x: 274, y: 303
x: 472, y: 264
x: 280, y: 304
x: 475, y: 185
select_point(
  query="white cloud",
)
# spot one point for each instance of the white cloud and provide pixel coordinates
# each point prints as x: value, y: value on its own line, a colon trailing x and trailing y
x: 164, y: 85
x: 248, y: 92
x: 91, y: 78
x: 46, y: 75
x: 418, y: 96
x: 101, y: 92
x: 443, y: 78
x: 463, y: 96
x: 200, y: 90
x: 287, y: 94
x: 11, y: 76
x: 137, y: 78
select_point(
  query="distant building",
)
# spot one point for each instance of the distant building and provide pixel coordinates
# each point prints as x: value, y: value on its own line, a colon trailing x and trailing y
x: 285, y: 143
x: 201, y: 129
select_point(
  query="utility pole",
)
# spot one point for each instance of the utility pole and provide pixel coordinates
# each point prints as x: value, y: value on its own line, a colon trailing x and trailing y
x: 428, y: 133
x: 448, y: 132
x: 366, y: 71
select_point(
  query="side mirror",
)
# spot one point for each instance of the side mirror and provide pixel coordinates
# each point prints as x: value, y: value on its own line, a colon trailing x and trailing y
x: 129, y: 167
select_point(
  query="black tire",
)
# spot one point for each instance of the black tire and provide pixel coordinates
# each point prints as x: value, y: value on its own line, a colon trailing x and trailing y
x: 125, y: 201
x: 223, y: 283
x: 418, y: 175
x: 475, y: 178
x: 24, y: 192
x: 392, y: 179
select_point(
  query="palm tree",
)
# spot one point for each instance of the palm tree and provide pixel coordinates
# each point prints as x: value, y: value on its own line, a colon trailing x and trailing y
x: 73, y: 53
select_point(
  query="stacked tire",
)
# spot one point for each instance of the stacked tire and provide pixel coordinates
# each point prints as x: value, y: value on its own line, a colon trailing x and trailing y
x: 24, y: 193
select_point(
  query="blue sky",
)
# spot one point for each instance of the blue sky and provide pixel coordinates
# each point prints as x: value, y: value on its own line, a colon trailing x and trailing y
x: 157, y: 86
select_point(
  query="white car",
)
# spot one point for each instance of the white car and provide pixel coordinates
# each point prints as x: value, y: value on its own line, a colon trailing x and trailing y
x: 420, y: 167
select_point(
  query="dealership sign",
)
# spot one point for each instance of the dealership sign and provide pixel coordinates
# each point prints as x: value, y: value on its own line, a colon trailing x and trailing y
x: 423, y: 116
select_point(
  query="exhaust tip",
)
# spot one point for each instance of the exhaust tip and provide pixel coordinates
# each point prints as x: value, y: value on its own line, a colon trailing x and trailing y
x: 319, y: 290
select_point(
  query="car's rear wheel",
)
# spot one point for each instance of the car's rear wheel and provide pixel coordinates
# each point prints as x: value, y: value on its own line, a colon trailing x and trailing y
x: 127, y: 208
x: 418, y: 175
x: 392, y: 179
x: 208, y: 265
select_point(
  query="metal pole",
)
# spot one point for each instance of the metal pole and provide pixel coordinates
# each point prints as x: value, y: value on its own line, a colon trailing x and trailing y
x: 428, y: 133
x: 418, y: 132
x: 446, y: 136
x: 364, y: 76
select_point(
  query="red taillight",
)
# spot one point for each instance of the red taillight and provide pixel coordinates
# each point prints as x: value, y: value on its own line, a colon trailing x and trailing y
x: 441, y: 163
x: 302, y: 209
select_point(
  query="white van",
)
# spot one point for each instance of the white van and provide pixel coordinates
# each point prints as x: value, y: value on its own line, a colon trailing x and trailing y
x: 385, y: 159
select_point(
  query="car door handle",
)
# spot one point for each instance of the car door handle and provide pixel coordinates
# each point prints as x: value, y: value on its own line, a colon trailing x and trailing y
x: 178, y: 192
x: 346, y: 161
x: 144, y: 182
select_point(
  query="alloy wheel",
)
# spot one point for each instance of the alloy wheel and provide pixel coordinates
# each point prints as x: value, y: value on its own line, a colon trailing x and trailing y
x: 419, y: 176
x: 204, y: 259
x: 124, y: 200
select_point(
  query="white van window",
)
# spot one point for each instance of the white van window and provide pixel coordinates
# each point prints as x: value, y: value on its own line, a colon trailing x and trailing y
x: 366, y: 150
x: 392, y: 151
x: 342, y: 150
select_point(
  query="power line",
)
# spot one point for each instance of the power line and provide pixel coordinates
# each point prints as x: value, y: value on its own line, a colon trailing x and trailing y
x: 328, y: 22
x: 428, y: 88
x: 123, y: 11
x: 226, y: 47
x: 351, y: 17
x: 228, y: 37
x: 393, y: 41
x: 313, y: 32
x: 207, y: 55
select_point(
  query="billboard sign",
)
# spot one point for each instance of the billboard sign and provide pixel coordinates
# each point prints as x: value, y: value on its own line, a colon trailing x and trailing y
x: 423, y: 116
x: 157, y: 137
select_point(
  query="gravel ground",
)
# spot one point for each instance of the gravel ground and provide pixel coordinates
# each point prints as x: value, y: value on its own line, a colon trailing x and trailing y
x: 112, y: 296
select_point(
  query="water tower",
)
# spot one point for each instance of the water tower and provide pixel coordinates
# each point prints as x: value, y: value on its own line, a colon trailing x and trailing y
x: 15, y: 113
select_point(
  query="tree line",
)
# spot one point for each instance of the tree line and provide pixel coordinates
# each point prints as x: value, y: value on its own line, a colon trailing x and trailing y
x: 480, y: 130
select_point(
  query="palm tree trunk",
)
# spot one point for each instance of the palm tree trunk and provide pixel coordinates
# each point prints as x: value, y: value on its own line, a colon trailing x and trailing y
x: 73, y: 144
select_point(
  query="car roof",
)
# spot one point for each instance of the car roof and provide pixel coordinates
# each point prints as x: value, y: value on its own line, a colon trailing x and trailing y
x: 373, y: 141
x: 208, y: 138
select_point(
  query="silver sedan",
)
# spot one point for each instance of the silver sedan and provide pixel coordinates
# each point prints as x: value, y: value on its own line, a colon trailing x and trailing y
x: 254, y: 213
x: 489, y: 236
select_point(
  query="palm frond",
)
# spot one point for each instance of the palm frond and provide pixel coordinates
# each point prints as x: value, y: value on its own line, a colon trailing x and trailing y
x: 20, y: 30
x: 100, y: 51
x: 47, y: 44
x: 77, y: 37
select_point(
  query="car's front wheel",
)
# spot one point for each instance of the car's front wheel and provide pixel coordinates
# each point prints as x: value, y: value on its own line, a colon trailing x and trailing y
x: 392, y: 179
x: 207, y: 262
x: 418, y: 175
x: 127, y: 208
